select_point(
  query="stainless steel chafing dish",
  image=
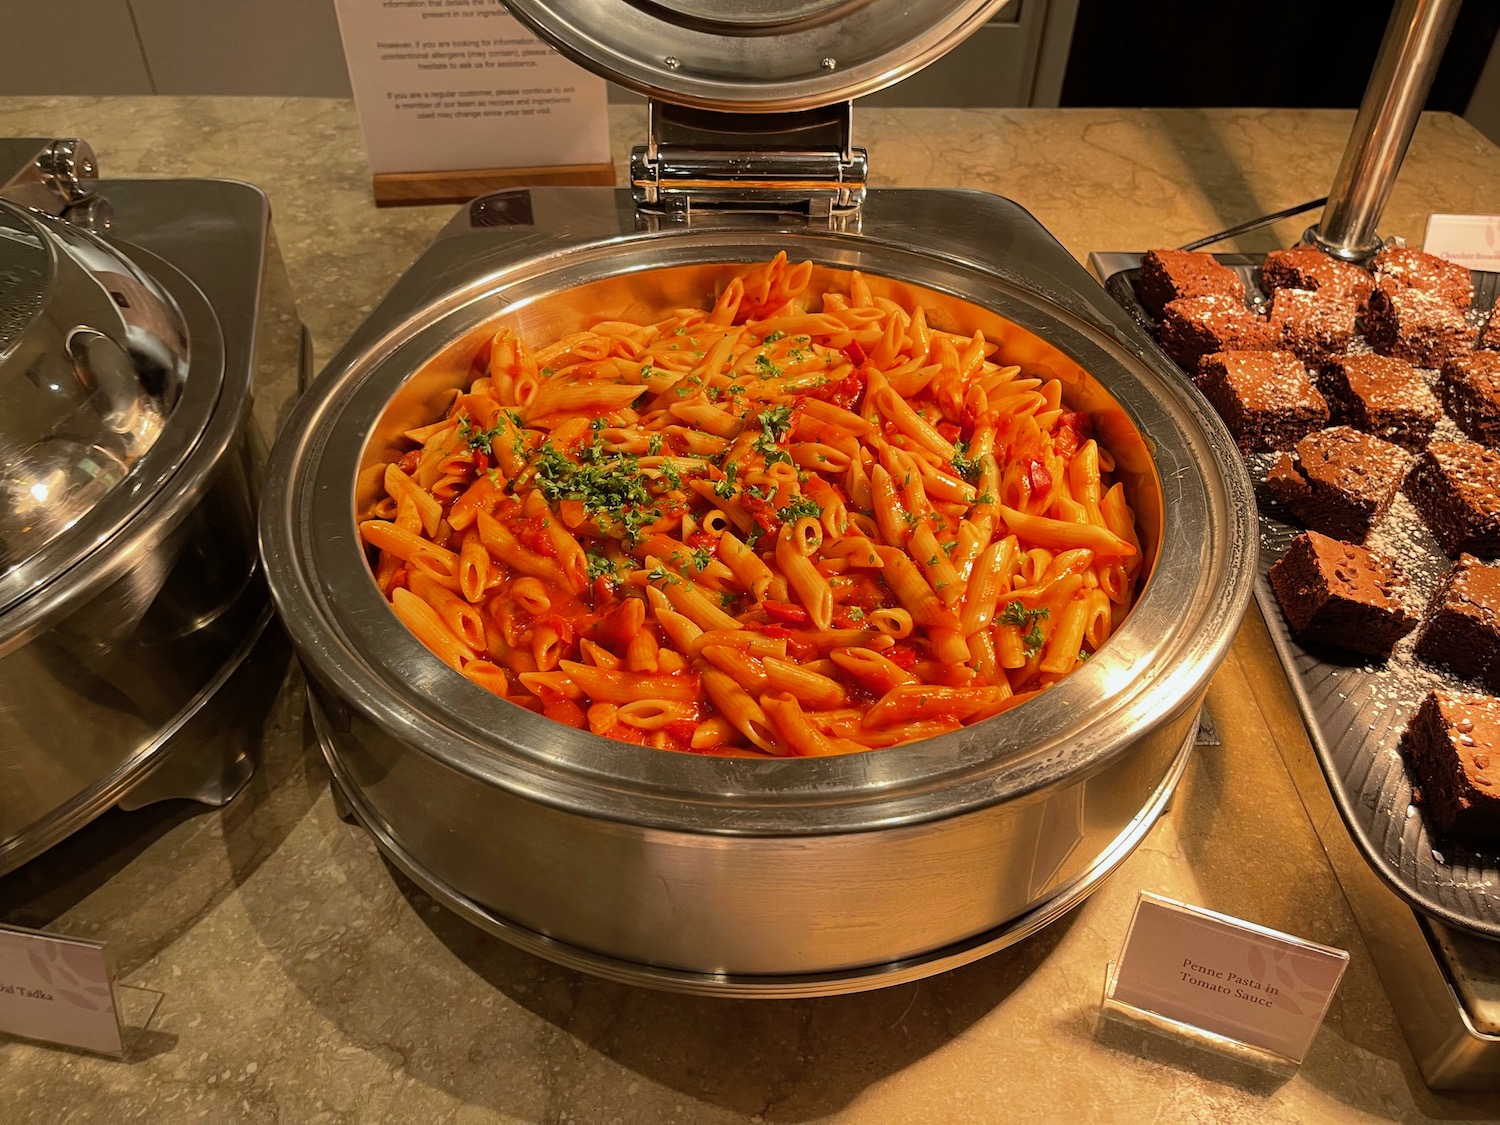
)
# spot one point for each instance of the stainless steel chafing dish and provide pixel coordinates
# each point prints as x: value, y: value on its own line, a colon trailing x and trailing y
x: 130, y: 590
x: 733, y: 876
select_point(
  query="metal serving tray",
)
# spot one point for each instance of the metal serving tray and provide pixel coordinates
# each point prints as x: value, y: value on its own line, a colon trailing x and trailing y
x: 1356, y: 708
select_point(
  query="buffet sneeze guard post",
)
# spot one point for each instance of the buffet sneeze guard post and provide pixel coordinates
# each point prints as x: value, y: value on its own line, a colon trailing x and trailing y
x: 1408, y: 62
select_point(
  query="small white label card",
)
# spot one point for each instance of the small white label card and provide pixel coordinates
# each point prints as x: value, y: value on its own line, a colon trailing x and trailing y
x: 1469, y: 240
x: 57, y: 990
x: 444, y: 85
x: 1225, y: 976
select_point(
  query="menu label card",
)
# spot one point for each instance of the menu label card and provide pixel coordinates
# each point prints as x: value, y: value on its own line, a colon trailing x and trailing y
x: 446, y: 85
x: 1470, y: 240
x: 58, y: 990
x: 1226, y: 976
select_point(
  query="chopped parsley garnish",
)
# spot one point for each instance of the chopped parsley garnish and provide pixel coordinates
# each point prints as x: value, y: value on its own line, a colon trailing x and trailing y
x: 774, y: 336
x: 1022, y: 618
x: 726, y: 600
x: 609, y: 485
x: 672, y: 476
x: 599, y: 566
x: 653, y: 447
x: 856, y: 614
x: 1083, y: 654
x: 736, y: 389
x: 800, y: 508
x: 765, y: 369
x: 985, y: 498
x: 478, y: 440
x: 659, y: 573
x: 701, y: 559
x: 964, y: 465
x: 724, y: 489
x: 777, y: 421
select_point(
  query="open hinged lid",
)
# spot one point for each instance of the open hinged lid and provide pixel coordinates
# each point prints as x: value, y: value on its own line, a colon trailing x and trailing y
x: 754, y: 55
x: 750, y: 100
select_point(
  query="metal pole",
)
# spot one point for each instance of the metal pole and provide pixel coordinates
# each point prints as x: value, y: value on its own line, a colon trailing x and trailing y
x: 1408, y: 61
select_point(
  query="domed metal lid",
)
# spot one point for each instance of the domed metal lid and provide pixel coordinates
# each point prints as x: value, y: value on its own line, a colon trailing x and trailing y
x: 754, y: 55
x: 93, y: 359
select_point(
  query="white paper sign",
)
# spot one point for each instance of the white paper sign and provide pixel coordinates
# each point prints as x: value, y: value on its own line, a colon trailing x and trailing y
x: 449, y: 85
x: 1226, y: 976
x: 1469, y: 240
x: 58, y: 990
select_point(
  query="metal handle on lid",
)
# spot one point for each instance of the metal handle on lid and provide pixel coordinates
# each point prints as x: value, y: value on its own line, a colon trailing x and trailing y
x: 56, y: 177
x: 1408, y: 62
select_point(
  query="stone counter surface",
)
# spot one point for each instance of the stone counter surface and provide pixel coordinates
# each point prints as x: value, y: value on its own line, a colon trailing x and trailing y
x: 303, y: 980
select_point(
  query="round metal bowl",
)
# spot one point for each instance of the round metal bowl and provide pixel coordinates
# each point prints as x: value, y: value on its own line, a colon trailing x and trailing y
x: 738, y: 876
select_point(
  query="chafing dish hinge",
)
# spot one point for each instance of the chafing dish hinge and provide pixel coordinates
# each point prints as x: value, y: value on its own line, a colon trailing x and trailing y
x: 799, y: 163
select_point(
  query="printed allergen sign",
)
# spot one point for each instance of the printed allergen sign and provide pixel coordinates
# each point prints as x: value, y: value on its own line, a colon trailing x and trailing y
x: 1227, y: 976
x: 449, y: 85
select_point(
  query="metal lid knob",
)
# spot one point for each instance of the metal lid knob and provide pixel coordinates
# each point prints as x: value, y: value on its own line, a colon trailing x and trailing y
x: 70, y: 169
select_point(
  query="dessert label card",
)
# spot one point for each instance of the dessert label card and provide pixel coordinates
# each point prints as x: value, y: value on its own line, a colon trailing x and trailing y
x: 1226, y: 976
x: 1470, y: 240
x: 58, y: 990
x: 444, y: 85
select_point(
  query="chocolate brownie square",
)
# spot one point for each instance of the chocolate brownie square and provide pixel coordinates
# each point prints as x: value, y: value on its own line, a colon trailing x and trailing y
x: 1381, y: 396
x: 1194, y: 327
x: 1453, y: 745
x: 1455, y: 485
x: 1490, y: 337
x: 1415, y: 325
x: 1314, y: 325
x: 1417, y: 269
x: 1462, y: 628
x: 1470, y: 386
x: 1265, y: 398
x: 1307, y: 267
x: 1341, y: 594
x: 1169, y: 275
x: 1339, y: 482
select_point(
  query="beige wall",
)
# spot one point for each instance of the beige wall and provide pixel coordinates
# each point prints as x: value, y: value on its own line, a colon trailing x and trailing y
x: 291, y: 48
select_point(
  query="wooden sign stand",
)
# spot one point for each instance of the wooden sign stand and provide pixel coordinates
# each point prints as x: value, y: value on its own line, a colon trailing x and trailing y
x: 400, y: 189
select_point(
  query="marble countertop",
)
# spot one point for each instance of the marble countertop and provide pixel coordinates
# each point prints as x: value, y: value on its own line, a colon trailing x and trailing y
x: 303, y: 980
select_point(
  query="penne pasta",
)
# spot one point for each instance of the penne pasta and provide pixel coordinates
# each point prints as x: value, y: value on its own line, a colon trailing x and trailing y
x: 809, y: 517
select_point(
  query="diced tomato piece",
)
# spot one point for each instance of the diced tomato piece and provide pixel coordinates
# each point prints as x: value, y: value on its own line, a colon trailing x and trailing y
x: 845, y: 393
x: 605, y: 597
x: 704, y: 539
x: 563, y: 710
x: 786, y: 612
x: 902, y: 654
x: 481, y: 462
x: 949, y: 430
x: 1073, y: 429
x: 844, y: 618
x: 399, y: 580
x: 409, y: 461
x: 1038, y: 477
x: 681, y: 731
x: 762, y: 512
x: 533, y: 536
x: 618, y: 627
x: 624, y: 732
x: 767, y: 629
x: 855, y: 354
